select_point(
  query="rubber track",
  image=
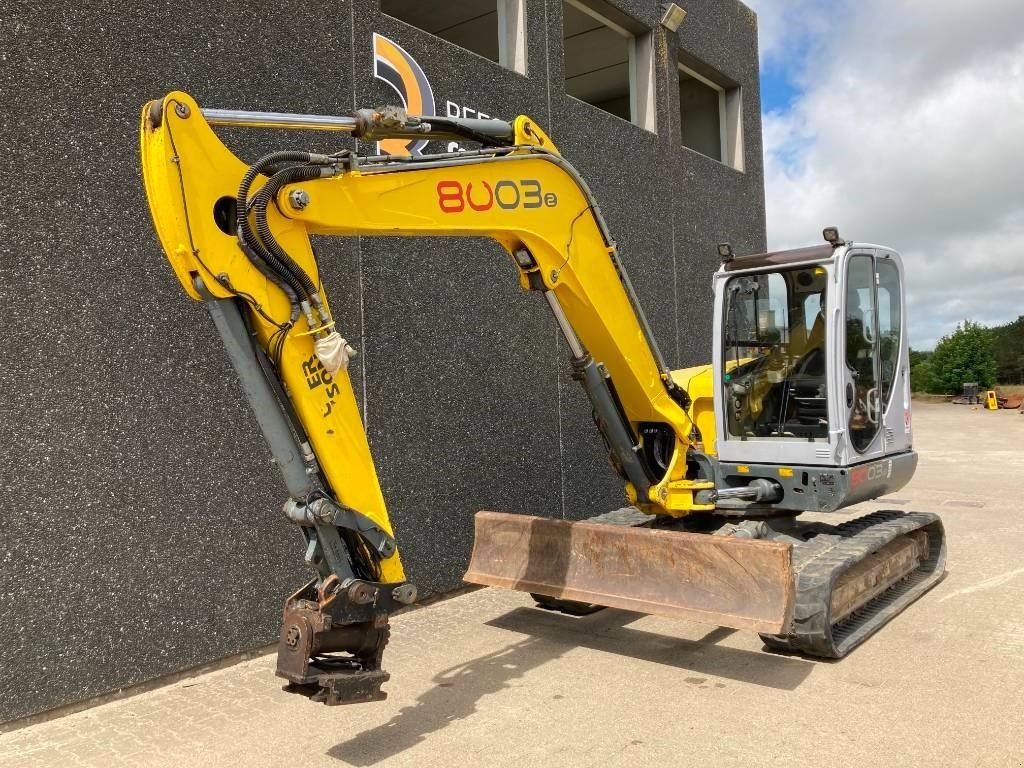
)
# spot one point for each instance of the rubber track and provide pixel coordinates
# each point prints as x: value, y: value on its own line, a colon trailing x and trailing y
x: 818, y: 563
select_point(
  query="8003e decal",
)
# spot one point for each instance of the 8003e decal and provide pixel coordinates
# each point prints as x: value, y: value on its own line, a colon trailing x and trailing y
x: 454, y: 197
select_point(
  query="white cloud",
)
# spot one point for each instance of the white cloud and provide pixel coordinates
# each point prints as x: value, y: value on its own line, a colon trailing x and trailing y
x: 910, y: 132
x: 788, y: 29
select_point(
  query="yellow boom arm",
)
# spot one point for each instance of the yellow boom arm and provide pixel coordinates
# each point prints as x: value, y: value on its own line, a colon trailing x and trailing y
x: 516, y: 190
x: 524, y: 197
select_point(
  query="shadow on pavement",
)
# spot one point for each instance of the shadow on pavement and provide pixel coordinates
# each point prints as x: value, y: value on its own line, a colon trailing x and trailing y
x: 704, y: 655
x: 453, y: 697
x: 458, y: 689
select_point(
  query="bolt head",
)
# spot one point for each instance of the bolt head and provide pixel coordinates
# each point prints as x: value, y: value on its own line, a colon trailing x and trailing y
x: 361, y: 594
x: 405, y: 594
x: 298, y: 198
x: 182, y: 110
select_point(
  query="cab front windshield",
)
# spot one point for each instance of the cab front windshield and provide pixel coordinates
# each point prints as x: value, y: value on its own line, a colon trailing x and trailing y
x: 774, y: 355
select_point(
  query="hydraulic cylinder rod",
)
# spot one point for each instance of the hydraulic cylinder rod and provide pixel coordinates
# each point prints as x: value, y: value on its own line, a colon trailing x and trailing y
x: 244, y: 119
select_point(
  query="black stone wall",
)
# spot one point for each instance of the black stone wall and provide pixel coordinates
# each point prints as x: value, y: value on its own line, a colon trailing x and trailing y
x: 140, y: 525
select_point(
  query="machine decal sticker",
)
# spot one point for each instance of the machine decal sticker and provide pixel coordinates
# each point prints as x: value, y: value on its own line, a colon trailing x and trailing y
x: 452, y: 197
x: 880, y: 470
x: 317, y: 376
x: 393, y: 65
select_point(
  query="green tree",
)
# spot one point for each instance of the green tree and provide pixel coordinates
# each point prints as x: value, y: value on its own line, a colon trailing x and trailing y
x: 920, y: 371
x: 916, y: 356
x: 967, y: 354
x: 921, y: 377
x: 1009, y: 350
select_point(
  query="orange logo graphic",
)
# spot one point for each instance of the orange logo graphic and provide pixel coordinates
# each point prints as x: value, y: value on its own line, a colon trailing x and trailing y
x: 393, y: 65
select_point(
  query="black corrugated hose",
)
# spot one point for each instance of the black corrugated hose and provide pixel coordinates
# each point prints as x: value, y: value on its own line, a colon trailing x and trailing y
x: 260, y: 202
x: 283, y: 272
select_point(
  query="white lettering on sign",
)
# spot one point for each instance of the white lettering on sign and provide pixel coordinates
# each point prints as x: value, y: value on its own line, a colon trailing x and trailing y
x: 459, y: 110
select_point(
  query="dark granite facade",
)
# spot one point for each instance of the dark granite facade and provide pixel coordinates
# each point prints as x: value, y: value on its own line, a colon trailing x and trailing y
x: 141, y: 531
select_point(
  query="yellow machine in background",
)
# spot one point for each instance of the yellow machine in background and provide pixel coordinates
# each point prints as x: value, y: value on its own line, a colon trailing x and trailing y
x: 797, y: 412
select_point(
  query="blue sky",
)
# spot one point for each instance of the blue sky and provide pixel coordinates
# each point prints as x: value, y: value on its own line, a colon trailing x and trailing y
x: 899, y: 121
x: 778, y: 91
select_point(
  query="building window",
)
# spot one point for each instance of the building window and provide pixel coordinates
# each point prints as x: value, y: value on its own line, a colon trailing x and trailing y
x: 494, y: 29
x: 608, y: 61
x: 711, y: 114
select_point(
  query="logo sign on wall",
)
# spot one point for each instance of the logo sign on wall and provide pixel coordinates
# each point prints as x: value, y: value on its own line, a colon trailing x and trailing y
x: 393, y: 64
x: 396, y: 67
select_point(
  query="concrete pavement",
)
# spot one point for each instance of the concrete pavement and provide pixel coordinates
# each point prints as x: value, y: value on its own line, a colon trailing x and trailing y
x: 484, y: 679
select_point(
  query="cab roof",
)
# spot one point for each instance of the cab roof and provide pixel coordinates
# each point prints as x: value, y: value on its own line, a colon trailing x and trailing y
x: 779, y: 258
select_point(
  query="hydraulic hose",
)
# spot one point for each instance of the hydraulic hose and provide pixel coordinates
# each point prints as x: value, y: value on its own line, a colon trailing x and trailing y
x: 277, y: 272
x: 275, y: 278
x: 260, y: 202
x: 269, y: 267
x: 265, y: 162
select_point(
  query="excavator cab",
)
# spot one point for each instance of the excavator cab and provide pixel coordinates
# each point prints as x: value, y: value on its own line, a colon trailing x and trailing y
x: 811, y: 366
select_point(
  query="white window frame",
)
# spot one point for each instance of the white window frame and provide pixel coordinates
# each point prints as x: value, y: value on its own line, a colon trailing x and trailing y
x: 511, y: 34
x: 643, y: 107
x: 730, y: 120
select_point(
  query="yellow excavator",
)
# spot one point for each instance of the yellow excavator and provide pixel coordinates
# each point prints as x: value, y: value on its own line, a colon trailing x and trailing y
x: 804, y: 408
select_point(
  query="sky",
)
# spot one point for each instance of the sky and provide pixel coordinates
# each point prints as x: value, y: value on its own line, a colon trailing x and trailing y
x: 902, y: 123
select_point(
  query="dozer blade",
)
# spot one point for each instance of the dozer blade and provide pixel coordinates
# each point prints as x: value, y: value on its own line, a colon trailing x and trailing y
x: 732, y: 582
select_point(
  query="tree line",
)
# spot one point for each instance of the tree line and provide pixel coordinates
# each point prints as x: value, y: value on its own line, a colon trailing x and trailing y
x: 973, y: 352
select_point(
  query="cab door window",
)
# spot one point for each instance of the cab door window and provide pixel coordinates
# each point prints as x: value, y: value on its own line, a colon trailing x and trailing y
x: 775, y: 382
x: 862, y: 353
x: 889, y: 325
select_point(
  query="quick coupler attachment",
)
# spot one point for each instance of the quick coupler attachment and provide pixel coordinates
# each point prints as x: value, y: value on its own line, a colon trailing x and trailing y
x: 333, y: 637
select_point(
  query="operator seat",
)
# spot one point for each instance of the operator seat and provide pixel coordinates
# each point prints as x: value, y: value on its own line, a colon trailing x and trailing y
x: 808, y: 416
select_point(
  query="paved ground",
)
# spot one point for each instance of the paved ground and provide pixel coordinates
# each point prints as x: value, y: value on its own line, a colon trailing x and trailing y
x: 485, y: 680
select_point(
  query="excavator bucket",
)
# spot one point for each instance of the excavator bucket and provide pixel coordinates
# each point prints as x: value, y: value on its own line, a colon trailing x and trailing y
x: 731, y: 582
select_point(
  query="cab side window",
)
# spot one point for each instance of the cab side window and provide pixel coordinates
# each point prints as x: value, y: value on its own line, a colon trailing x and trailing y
x: 862, y: 395
x: 889, y: 325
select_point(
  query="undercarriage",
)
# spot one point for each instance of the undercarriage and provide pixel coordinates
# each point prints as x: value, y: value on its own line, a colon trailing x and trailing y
x: 806, y: 587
